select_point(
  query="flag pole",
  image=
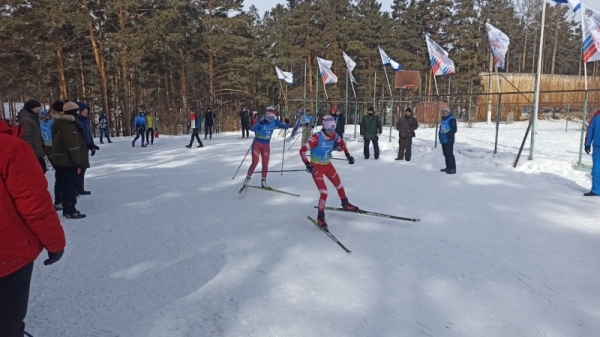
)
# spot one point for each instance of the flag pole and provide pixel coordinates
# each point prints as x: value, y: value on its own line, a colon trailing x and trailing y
x: 538, y: 84
x: 347, y: 76
x: 304, y: 102
x: 585, y: 101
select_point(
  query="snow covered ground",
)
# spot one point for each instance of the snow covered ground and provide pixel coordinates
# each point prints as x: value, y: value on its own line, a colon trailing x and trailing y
x: 169, y: 248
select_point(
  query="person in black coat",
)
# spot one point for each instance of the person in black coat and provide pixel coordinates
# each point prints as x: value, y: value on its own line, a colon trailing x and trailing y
x: 209, y: 121
x: 244, y: 115
x: 340, y: 123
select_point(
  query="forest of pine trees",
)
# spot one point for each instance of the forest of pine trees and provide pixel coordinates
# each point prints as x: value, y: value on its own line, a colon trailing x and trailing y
x: 170, y: 55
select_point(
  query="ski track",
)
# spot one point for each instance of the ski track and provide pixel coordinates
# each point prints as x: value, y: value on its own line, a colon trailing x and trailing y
x: 169, y: 248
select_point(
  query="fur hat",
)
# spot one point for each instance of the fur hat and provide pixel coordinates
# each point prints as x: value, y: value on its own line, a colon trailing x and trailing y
x: 71, y: 108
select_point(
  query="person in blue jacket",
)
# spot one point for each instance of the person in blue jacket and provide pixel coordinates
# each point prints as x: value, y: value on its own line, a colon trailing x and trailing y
x: 84, y: 122
x: 261, y: 146
x: 139, y: 122
x: 447, y: 130
x: 592, y: 139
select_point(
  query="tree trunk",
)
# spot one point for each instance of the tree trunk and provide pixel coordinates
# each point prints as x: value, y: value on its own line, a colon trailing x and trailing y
x: 184, y: 93
x: 81, y: 92
x: 555, y: 48
x: 97, y: 48
x: 124, y: 66
x: 62, y: 82
x: 522, y: 65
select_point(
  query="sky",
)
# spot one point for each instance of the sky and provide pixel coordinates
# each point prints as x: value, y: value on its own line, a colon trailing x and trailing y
x: 265, y: 5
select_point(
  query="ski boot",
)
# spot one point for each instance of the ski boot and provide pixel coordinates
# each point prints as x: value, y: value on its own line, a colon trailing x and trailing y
x: 348, y: 207
x: 263, y: 184
x: 247, y: 180
x: 321, y: 221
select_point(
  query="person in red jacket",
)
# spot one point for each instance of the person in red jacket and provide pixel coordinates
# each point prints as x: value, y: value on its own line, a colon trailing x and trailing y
x: 28, y: 224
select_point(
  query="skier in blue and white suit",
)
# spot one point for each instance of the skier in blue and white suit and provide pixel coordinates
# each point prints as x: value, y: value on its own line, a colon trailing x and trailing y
x: 592, y: 139
x: 261, y: 147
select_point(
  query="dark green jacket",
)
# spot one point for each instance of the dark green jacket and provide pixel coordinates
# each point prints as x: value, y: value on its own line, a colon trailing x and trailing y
x: 68, y: 142
x: 370, y: 126
x: 30, y: 123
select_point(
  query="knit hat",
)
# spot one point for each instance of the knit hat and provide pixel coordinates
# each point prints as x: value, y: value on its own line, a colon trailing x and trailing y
x: 71, y: 108
x: 31, y: 104
x: 58, y: 106
x: 328, y: 123
x: 82, y: 106
x: 271, y: 112
x: 370, y: 109
x: 446, y: 110
x: 408, y: 110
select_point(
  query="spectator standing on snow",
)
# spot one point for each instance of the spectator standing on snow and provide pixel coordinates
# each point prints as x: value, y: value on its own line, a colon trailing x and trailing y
x: 29, y: 224
x: 195, y: 124
x: 139, y: 122
x: 448, y: 129
x: 307, y: 125
x: 104, y: 130
x: 70, y: 156
x: 340, y: 122
x: 592, y: 140
x: 29, y: 121
x: 244, y: 115
x: 209, y: 121
x: 46, y: 126
x: 84, y: 122
x: 406, y: 126
x: 370, y: 129
x: 149, y: 128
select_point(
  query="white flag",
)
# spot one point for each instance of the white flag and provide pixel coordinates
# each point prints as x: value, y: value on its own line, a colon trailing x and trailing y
x: 327, y: 75
x: 285, y: 76
x: 350, y: 64
x: 387, y: 61
x: 441, y: 64
x: 590, y: 22
x: 499, y: 43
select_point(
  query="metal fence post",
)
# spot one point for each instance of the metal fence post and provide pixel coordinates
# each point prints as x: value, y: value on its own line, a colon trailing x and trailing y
x: 498, y: 115
x: 437, y: 123
x: 567, y: 122
x: 585, y: 106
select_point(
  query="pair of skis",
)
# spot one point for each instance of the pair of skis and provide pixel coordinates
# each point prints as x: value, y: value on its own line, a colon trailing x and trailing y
x: 381, y: 215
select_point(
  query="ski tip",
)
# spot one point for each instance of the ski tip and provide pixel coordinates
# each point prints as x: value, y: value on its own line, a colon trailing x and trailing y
x: 416, y: 220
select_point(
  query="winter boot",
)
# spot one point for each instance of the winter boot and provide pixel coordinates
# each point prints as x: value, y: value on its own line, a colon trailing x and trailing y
x: 74, y: 215
x: 144, y: 145
x: 348, y: 207
x: 84, y: 192
x: 58, y: 207
x: 264, y: 184
x: 444, y: 170
x: 452, y: 171
x: 590, y: 194
x: 321, y: 220
x: 188, y: 146
x: 247, y: 180
x: 201, y: 145
x: 132, y: 144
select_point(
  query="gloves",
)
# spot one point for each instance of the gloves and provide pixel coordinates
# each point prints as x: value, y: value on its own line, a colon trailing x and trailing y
x: 588, y: 148
x: 310, y: 169
x: 93, y: 152
x: 350, y: 159
x: 54, y: 257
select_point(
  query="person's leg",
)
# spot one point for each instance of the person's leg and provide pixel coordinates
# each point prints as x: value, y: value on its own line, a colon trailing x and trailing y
x: 401, y: 148
x: 58, y: 197
x: 137, y: 136
x: 70, y: 190
x: 205, y: 131
x: 194, y: 133
x: 256, y: 153
x: 596, y: 170
x: 451, y: 159
x: 265, y: 154
x: 248, y: 130
x: 210, y: 130
x: 107, y: 130
x: 143, y: 137
x: 330, y: 172
x: 14, y: 298
x: 444, y: 151
x: 408, y: 145
x: 81, y: 181
x: 376, y: 148
x: 366, y: 148
x: 148, y: 134
x: 321, y: 186
x: 151, y: 135
x: 101, y: 134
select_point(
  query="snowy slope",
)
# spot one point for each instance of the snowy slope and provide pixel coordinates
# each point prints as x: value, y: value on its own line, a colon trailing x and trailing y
x: 169, y: 248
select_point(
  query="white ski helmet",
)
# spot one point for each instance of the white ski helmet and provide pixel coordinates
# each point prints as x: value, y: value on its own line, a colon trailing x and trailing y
x: 328, y: 123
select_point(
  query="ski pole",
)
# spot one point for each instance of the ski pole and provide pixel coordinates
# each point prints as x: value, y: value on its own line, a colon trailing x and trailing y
x: 238, y: 169
x: 280, y: 171
x: 294, y: 142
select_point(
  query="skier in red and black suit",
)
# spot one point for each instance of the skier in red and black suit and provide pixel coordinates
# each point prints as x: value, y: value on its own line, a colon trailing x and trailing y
x: 321, y: 145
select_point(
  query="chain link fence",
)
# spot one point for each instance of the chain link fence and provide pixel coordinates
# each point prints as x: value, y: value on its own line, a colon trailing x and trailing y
x: 495, y: 123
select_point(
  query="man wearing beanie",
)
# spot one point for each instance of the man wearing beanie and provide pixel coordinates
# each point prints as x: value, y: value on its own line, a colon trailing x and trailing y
x: 406, y: 126
x: 28, y: 119
x: 370, y: 129
x: 70, y: 156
